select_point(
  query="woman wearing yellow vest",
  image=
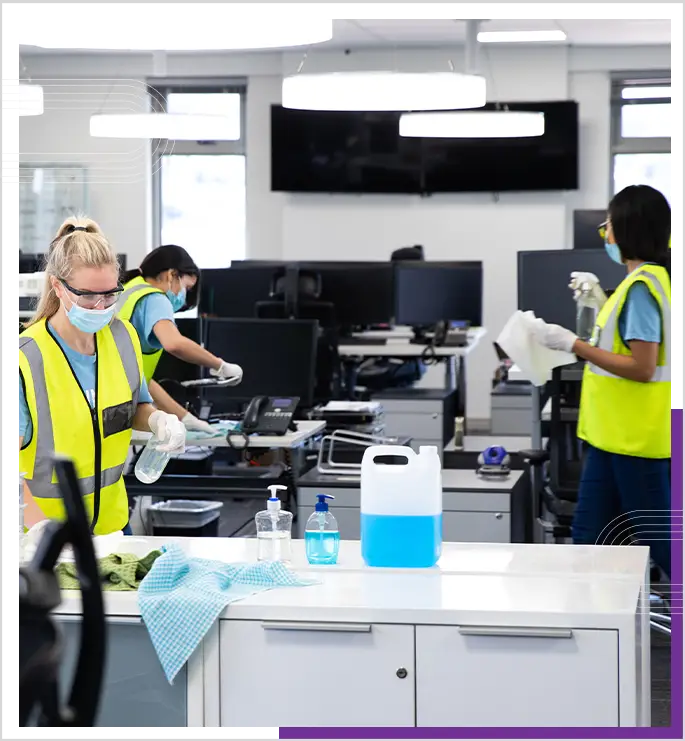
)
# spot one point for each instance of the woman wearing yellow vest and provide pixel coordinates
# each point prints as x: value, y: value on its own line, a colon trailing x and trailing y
x: 166, y: 282
x: 81, y: 384
x: 625, y: 408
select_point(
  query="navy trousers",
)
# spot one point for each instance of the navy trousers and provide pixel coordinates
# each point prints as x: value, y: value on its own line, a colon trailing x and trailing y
x: 623, y: 499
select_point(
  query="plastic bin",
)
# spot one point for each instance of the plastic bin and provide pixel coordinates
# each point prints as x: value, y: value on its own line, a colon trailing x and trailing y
x: 185, y: 517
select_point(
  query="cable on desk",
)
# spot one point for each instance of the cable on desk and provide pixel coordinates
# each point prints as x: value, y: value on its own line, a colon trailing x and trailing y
x: 290, y: 481
x: 245, y: 437
x: 429, y: 356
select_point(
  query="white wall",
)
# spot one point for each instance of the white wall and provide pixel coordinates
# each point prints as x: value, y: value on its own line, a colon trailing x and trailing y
x: 370, y: 227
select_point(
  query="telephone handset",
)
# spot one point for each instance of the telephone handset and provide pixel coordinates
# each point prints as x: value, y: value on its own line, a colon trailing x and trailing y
x: 268, y: 415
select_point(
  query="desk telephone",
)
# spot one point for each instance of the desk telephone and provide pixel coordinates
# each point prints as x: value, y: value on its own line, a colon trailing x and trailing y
x: 269, y: 415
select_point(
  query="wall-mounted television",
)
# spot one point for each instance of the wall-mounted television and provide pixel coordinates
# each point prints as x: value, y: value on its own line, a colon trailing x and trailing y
x: 363, y: 152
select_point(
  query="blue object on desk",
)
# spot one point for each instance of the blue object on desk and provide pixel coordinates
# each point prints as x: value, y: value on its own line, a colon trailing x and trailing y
x: 181, y: 598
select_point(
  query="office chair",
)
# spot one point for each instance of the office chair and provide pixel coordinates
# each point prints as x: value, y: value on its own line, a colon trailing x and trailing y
x: 295, y: 294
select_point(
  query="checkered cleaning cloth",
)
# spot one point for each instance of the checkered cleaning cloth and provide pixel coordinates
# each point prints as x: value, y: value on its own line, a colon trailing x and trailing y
x: 181, y: 598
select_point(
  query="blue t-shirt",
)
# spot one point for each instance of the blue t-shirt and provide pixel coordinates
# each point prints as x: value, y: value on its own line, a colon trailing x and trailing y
x: 640, y: 318
x: 84, y: 369
x: 149, y: 310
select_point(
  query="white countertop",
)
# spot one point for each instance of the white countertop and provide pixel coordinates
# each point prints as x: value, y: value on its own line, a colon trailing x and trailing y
x: 305, y: 430
x: 398, y: 345
x: 474, y: 583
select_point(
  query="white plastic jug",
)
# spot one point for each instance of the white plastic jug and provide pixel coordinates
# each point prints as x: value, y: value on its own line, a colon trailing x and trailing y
x: 401, y: 507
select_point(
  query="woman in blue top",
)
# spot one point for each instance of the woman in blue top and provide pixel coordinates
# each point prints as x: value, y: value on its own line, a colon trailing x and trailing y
x: 625, y: 407
x: 167, y: 282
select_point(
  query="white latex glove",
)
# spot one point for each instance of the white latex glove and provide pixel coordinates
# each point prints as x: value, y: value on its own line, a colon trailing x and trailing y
x: 590, y: 279
x: 169, y: 429
x: 193, y: 423
x: 553, y: 336
x: 228, y: 373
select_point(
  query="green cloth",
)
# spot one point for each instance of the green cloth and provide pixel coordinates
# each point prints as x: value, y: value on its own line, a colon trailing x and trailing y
x: 120, y: 572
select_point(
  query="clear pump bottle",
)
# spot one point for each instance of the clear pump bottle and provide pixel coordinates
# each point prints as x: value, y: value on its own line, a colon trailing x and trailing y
x: 274, y: 529
x: 321, y: 534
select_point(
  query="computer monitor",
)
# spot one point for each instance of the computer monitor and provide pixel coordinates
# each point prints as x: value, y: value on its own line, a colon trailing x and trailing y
x: 361, y: 292
x: 171, y: 368
x: 543, y: 278
x: 33, y: 263
x: 278, y: 357
x: 430, y: 292
x: 232, y: 293
x: 585, y: 232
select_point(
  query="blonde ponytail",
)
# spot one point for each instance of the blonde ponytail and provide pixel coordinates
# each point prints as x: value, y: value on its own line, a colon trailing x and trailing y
x: 79, y: 242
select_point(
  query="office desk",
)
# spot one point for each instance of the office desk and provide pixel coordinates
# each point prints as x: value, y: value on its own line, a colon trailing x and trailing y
x: 306, y: 429
x: 244, y: 483
x: 465, y: 634
x: 398, y: 345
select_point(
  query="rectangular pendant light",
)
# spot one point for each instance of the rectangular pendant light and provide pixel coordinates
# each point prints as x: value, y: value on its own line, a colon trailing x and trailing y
x: 22, y: 99
x: 473, y: 125
x: 520, y: 37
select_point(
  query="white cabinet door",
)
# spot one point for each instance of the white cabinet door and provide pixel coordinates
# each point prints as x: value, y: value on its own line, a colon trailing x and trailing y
x: 516, y: 677
x: 316, y: 674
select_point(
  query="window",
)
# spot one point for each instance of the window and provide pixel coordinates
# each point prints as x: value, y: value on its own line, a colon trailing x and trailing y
x: 641, y: 133
x: 199, y: 187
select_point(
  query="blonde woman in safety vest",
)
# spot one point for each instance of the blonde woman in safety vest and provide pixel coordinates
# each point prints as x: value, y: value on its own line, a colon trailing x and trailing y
x: 81, y: 383
x: 625, y: 408
x: 167, y: 282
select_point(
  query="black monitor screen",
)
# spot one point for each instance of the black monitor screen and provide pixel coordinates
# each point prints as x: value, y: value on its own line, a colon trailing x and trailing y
x: 543, y: 278
x: 585, y: 229
x: 234, y: 292
x: 278, y: 356
x: 171, y: 368
x: 361, y: 292
x: 430, y: 292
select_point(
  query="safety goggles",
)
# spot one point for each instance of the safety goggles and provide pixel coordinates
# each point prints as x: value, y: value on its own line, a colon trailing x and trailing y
x: 92, y: 300
x: 602, y: 229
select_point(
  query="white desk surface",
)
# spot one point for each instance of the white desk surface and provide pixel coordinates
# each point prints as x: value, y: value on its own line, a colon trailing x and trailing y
x: 453, y: 479
x: 305, y: 430
x: 479, y: 443
x: 551, y: 585
x: 399, y: 346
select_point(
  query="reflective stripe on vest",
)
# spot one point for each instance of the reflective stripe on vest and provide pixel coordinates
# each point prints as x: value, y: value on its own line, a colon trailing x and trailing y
x: 126, y: 306
x: 609, y: 332
x: 41, y: 482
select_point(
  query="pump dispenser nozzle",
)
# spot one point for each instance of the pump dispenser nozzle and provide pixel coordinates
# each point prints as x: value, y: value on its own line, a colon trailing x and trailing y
x: 322, y: 504
x: 273, y: 504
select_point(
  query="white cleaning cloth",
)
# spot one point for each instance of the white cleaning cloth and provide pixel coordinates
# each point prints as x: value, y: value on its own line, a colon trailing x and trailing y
x: 536, y: 361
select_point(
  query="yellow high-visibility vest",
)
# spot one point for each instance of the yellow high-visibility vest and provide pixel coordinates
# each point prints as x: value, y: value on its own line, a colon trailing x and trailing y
x: 622, y: 416
x: 96, y: 438
x: 134, y: 291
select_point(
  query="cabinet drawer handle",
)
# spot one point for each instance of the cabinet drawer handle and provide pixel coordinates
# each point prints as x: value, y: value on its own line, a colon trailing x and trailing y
x: 321, y: 627
x: 115, y: 620
x: 495, y: 631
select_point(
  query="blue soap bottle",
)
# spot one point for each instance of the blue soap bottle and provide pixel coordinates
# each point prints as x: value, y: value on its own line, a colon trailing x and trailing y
x: 321, y: 534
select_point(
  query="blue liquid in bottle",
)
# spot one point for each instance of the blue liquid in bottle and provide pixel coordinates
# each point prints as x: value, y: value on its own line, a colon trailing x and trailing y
x: 401, y: 541
x: 321, y: 546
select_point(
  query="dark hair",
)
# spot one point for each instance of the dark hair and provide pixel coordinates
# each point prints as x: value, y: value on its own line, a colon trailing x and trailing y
x: 169, y: 257
x: 408, y: 253
x: 641, y: 222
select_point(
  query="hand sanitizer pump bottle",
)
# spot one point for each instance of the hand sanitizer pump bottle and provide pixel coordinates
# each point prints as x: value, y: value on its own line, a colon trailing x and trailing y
x: 274, y: 528
x: 321, y: 535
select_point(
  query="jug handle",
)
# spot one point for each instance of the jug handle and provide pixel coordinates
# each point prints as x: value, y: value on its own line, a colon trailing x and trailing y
x: 395, y: 450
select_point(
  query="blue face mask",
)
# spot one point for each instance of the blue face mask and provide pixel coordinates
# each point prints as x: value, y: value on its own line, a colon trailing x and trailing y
x: 613, y: 252
x: 178, y: 300
x: 90, y: 320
